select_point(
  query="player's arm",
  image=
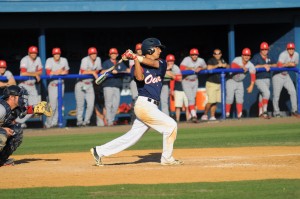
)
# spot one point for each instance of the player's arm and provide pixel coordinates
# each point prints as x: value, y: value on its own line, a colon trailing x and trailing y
x: 90, y: 72
x: 138, y: 71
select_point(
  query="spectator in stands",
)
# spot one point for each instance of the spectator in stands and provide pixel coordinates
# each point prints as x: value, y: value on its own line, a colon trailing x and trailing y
x: 84, y: 91
x: 5, y: 73
x: 213, y: 84
x: 112, y: 86
x: 234, y: 83
x: 262, y: 60
x: 177, y: 92
x: 30, y: 65
x: 55, y: 65
x: 133, y: 87
x: 190, y: 82
x: 288, y: 58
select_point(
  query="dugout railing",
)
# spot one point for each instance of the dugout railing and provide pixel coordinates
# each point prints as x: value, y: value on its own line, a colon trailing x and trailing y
x: 223, y: 73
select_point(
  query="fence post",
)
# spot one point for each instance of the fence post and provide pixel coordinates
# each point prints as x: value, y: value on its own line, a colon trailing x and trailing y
x: 223, y: 98
x: 60, y: 103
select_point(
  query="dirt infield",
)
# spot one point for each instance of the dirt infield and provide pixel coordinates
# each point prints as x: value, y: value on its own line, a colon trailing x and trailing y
x: 142, y: 166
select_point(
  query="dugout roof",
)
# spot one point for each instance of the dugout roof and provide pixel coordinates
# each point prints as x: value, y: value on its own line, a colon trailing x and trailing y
x: 140, y: 5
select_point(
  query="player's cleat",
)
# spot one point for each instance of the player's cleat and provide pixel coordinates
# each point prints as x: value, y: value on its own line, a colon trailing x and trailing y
x: 265, y: 116
x: 96, y: 157
x: 204, y: 118
x: 8, y: 162
x: 295, y: 114
x: 213, y: 118
x: 194, y: 119
x: 278, y: 115
x: 175, y: 162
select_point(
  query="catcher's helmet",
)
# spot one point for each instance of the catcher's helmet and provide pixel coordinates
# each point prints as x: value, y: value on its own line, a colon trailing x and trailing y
x: 16, y: 91
x: 149, y: 44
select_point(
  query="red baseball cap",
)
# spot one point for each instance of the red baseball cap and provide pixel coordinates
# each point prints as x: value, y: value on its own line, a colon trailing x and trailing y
x: 290, y: 45
x: 3, y: 64
x: 56, y: 51
x: 92, y: 50
x: 246, y: 51
x: 33, y: 49
x: 194, y: 51
x: 264, y: 46
x: 113, y: 51
x: 138, y: 46
x: 170, y: 57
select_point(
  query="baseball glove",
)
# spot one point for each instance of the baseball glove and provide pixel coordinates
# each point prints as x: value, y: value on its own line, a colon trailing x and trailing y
x: 43, y: 108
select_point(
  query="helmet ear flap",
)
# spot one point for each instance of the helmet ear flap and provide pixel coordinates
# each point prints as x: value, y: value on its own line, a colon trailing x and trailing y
x: 151, y: 51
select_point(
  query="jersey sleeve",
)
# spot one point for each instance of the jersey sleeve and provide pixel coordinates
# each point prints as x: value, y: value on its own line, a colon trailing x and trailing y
x: 66, y: 64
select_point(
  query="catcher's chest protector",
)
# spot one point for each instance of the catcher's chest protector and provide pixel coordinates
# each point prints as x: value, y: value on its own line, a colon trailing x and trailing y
x: 8, y: 116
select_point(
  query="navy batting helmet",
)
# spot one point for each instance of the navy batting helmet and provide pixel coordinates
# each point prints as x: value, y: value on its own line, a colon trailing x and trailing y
x: 149, y: 44
x: 16, y: 91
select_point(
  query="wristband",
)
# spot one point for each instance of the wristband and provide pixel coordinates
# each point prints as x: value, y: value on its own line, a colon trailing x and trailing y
x: 140, y: 58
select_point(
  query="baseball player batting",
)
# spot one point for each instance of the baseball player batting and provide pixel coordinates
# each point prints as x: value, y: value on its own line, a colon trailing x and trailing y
x: 148, y: 73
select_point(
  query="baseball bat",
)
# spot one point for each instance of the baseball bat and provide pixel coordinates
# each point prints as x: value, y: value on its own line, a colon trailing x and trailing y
x: 103, y: 77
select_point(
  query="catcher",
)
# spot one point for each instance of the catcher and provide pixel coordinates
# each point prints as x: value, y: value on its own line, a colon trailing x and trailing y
x: 13, y: 104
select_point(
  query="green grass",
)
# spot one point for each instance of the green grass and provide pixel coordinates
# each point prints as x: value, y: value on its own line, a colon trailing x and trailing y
x: 212, y: 137
x: 266, y: 189
x: 266, y: 135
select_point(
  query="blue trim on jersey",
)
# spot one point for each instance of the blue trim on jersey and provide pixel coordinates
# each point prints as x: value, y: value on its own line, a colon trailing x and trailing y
x: 116, y: 81
x: 258, y: 60
x: 152, y: 84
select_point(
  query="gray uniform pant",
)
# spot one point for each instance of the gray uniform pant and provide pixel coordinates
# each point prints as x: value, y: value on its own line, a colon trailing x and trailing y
x: 133, y: 89
x: 190, y: 89
x: 53, y: 100
x: 279, y: 81
x: 33, y: 99
x: 164, y: 99
x: 234, y: 88
x: 3, y: 139
x: 84, y: 92
x: 112, y: 102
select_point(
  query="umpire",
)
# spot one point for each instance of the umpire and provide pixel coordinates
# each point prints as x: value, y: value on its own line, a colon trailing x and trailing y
x: 13, y: 104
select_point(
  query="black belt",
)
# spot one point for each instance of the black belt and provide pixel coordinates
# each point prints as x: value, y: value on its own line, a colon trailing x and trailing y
x: 153, y: 101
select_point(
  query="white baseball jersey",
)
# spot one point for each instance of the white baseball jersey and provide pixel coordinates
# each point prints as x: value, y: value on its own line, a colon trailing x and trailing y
x: 7, y: 74
x: 29, y: 65
x: 238, y: 63
x: 187, y: 61
x: 53, y: 65
x: 88, y: 64
x: 285, y: 57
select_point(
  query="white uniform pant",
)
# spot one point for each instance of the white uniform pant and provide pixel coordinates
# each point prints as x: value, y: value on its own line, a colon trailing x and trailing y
x: 112, y: 101
x: 53, y: 100
x: 84, y: 92
x: 148, y: 115
x: 283, y: 81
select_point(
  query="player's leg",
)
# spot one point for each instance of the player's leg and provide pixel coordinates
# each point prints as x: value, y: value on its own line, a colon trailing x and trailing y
x: 52, y: 95
x: 149, y: 114
x: 239, y: 98
x: 115, y: 102
x: 278, y: 83
x: 289, y: 85
x: 263, y: 86
x: 108, y: 95
x: 90, y: 101
x: 230, y: 87
x: 164, y: 98
x: 178, y: 102
x: 79, y: 96
x: 189, y: 91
